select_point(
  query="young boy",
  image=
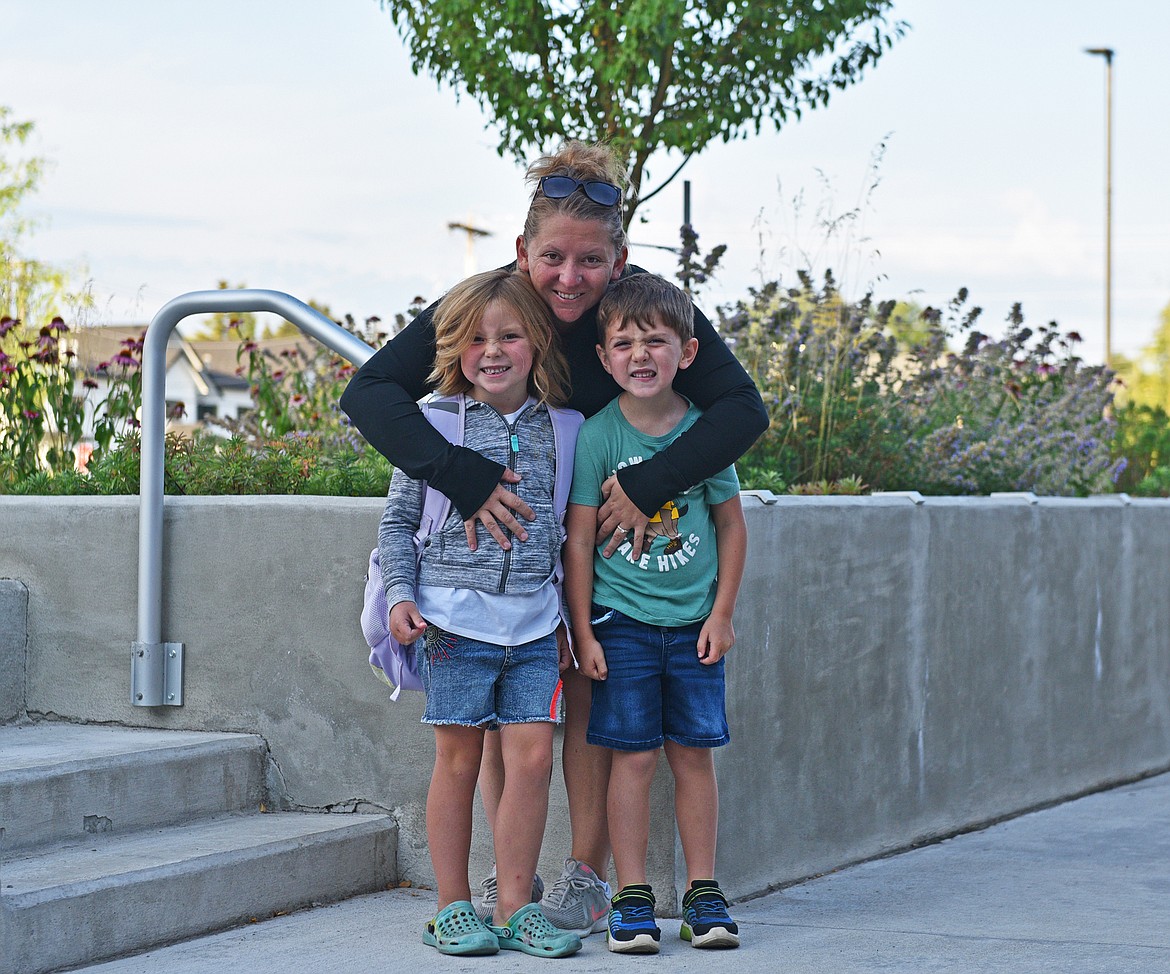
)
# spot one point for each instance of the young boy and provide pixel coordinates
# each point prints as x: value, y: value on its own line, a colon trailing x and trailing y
x: 652, y: 627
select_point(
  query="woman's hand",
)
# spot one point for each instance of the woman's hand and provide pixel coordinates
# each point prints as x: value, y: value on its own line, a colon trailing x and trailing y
x: 501, y: 508
x: 619, y: 519
x: 406, y: 625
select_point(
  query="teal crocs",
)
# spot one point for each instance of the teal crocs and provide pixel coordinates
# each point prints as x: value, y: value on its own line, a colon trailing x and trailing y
x: 529, y: 930
x: 459, y: 930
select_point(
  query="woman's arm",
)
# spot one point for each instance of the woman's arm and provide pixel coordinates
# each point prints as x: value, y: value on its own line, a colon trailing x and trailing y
x: 733, y: 418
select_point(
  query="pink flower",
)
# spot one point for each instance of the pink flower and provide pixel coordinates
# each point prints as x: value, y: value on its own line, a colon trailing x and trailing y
x: 7, y: 324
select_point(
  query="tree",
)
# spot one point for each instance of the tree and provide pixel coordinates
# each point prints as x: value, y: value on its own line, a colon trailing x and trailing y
x: 1147, y: 380
x: 644, y: 75
x: 30, y: 291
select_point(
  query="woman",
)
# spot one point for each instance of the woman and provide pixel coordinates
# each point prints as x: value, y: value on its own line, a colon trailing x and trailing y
x: 572, y: 247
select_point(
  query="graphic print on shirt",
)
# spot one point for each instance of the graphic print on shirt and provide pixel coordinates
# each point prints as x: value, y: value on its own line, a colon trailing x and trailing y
x: 677, y: 551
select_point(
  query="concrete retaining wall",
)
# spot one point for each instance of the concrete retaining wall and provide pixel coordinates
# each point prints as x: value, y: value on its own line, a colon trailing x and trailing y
x: 904, y: 671
x: 13, y: 642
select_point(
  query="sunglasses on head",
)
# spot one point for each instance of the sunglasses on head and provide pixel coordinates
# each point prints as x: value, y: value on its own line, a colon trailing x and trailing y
x: 559, y: 187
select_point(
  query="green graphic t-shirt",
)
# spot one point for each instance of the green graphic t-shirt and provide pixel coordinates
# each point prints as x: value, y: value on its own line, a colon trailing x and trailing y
x: 672, y: 584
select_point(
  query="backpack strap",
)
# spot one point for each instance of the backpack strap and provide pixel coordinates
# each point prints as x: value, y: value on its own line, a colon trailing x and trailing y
x: 447, y: 415
x: 566, y: 424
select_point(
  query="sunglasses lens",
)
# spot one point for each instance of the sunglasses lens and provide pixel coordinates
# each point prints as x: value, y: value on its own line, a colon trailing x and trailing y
x: 604, y: 193
x: 558, y: 187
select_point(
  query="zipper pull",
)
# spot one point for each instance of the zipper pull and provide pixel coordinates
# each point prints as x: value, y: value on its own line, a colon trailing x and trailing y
x: 515, y: 444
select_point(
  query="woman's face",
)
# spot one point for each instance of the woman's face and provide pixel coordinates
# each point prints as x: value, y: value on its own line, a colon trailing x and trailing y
x: 570, y: 263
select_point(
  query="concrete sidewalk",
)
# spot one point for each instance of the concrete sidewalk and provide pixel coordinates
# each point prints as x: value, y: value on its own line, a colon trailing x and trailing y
x: 1082, y: 887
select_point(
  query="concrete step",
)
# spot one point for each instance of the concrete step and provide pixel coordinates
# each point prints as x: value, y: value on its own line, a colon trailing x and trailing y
x: 114, y: 840
x: 65, y: 781
x: 111, y: 895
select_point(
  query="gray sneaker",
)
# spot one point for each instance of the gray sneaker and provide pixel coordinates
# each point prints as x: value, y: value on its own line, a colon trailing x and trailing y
x: 578, y: 901
x: 485, y: 903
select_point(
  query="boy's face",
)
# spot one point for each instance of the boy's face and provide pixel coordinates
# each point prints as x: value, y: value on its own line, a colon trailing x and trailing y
x: 644, y: 360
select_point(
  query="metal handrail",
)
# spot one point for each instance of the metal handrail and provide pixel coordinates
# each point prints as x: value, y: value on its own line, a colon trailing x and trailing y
x: 156, y: 667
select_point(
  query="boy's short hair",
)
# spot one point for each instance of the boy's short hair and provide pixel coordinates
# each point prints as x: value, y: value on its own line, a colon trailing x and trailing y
x: 646, y: 299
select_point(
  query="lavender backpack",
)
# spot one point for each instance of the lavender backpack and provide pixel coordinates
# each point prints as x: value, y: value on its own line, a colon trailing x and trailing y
x: 398, y: 665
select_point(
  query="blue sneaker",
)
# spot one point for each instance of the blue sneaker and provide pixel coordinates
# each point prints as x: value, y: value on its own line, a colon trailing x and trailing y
x: 705, y: 919
x: 632, y: 929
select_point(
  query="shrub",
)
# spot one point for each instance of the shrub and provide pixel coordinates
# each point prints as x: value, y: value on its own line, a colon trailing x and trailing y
x: 851, y: 402
x: 1141, y: 448
x: 295, y: 441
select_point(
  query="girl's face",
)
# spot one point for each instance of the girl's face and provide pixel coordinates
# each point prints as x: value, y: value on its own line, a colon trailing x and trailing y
x: 499, y: 359
x: 570, y: 263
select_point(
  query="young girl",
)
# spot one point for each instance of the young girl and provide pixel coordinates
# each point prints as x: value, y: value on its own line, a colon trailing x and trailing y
x: 489, y: 616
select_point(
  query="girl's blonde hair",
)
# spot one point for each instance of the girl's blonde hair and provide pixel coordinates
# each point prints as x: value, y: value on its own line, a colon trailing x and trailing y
x: 583, y: 162
x: 460, y: 314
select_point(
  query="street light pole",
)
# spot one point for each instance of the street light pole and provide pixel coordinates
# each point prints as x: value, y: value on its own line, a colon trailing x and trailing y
x: 1107, y: 54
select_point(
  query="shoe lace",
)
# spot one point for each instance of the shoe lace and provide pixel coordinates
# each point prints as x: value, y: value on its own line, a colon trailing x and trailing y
x: 635, y: 910
x: 489, y: 888
x: 570, y: 879
x: 709, y: 906
x: 559, y: 891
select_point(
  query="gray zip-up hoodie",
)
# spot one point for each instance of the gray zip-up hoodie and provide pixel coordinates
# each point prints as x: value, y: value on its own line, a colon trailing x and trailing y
x: 528, y: 446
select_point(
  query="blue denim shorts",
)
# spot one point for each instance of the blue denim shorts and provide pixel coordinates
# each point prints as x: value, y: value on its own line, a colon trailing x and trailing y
x: 478, y: 684
x: 656, y: 689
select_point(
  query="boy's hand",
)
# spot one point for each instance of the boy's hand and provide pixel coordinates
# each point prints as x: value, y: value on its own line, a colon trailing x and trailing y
x: 501, y: 508
x: 715, y: 638
x: 592, y: 658
x: 619, y: 519
x: 406, y: 625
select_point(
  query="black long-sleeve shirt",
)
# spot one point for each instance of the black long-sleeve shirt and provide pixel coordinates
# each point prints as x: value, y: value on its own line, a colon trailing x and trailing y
x: 381, y: 400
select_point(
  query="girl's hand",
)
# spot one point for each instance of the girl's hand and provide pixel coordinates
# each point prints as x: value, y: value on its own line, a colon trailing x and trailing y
x: 619, y: 519
x: 501, y: 508
x: 406, y: 625
x: 565, y: 658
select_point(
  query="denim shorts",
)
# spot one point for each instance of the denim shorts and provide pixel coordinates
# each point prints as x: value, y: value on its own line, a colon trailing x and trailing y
x: 477, y: 684
x: 656, y: 689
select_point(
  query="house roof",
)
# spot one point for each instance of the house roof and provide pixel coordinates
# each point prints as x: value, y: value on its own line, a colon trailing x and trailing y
x: 216, y: 362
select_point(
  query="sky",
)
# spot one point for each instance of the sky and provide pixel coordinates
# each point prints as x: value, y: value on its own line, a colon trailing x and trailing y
x: 286, y: 144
